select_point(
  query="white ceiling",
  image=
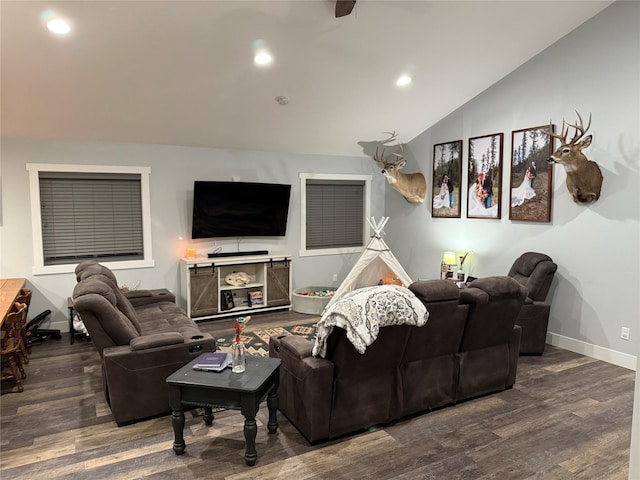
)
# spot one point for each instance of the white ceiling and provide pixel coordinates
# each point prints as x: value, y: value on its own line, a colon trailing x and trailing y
x: 182, y: 73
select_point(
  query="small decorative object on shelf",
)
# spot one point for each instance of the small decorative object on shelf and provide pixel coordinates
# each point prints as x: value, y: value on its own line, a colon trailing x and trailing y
x: 228, y: 303
x: 255, y: 298
x: 237, y: 349
x: 237, y: 278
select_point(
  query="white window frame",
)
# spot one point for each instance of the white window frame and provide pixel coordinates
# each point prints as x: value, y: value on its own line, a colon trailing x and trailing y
x: 304, y: 252
x: 34, y: 169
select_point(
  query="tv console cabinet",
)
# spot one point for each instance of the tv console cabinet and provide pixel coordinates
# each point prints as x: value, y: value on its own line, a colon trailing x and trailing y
x: 205, y: 294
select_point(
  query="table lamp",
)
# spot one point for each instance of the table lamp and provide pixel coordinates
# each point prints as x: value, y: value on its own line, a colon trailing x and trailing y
x: 448, y: 261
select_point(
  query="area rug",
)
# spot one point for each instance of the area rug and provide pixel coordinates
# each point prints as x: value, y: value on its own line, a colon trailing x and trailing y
x: 257, y: 342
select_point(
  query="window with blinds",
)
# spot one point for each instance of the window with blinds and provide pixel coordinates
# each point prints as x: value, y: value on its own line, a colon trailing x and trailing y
x: 334, y: 212
x: 90, y: 216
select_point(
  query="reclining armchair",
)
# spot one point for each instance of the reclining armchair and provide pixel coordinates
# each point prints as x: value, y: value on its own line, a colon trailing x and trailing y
x: 491, y: 342
x: 535, y: 271
x: 141, y: 341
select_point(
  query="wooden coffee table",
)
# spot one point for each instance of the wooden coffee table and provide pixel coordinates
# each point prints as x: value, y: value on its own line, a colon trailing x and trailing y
x: 238, y: 391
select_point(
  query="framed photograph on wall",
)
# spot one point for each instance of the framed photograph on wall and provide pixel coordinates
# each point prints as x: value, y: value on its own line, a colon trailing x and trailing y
x: 531, y: 175
x: 485, y: 176
x: 447, y: 173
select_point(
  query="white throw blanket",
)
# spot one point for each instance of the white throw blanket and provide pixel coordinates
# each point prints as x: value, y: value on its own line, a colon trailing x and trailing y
x: 362, y: 312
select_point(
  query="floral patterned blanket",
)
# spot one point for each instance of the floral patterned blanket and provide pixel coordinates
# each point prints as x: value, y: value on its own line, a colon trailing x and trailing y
x: 362, y: 312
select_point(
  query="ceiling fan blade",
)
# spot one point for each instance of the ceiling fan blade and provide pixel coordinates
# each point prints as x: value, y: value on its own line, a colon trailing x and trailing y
x: 344, y: 7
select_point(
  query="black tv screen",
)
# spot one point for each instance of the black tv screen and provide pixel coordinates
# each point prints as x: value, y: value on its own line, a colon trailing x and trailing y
x: 239, y: 209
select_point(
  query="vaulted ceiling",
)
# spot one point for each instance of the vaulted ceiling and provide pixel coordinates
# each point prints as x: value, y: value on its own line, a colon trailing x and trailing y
x: 182, y: 72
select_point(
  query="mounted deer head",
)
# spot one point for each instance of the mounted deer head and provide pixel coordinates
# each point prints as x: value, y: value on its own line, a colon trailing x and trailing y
x: 584, y: 178
x: 412, y: 186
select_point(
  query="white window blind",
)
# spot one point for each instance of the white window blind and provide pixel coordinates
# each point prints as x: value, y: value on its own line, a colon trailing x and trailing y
x: 334, y: 213
x: 90, y: 216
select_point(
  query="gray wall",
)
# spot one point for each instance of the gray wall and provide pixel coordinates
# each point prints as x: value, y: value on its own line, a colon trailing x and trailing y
x: 173, y: 171
x: 593, y: 69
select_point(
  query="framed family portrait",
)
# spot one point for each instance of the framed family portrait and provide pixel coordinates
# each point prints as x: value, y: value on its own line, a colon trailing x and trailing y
x: 485, y: 176
x: 447, y: 173
x: 531, y: 175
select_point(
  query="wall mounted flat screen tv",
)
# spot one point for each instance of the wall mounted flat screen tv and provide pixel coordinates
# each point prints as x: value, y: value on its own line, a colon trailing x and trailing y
x: 239, y: 209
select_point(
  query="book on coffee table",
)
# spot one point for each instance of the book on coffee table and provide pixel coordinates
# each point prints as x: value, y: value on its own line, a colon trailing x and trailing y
x: 214, y: 361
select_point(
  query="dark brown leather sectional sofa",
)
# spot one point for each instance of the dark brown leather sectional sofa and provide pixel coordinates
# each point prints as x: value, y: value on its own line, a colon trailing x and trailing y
x: 468, y: 347
x: 142, y: 337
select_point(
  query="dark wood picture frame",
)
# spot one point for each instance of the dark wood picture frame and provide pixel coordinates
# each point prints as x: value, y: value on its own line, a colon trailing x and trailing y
x: 447, y: 163
x: 530, y: 193
x: 484, y: 176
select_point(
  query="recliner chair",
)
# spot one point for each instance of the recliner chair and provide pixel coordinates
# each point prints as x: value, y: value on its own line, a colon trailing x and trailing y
x: 142, y: 338
x: 535, y: 271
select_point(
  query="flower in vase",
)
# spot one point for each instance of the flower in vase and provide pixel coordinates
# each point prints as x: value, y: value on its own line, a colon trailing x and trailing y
x: 240, y: 323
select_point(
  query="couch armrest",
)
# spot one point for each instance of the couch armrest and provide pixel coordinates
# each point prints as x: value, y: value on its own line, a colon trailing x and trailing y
x: 145, y: 297
x: 155, y: 340
x: 188, y: 347
x: 296, y: 346
x: 135, y: 380
x: 306, y: 386
x: 435, y: 290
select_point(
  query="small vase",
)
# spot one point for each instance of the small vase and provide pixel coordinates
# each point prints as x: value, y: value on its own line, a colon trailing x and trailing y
x: 237, y: 357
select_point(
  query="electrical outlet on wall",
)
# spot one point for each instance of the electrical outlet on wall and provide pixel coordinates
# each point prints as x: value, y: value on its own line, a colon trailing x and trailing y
x: 624, y: 333
x: 335, y: 277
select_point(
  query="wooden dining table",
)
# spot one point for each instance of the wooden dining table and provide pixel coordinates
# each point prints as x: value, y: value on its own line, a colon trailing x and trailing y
x: 9, y: 291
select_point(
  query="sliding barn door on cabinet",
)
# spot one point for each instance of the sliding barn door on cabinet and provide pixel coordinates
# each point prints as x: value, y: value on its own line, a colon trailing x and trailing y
x: 278, y: 283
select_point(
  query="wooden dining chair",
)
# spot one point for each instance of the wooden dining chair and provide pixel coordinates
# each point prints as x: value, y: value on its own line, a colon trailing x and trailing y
x: 25, y: 297
x: 11, y: 344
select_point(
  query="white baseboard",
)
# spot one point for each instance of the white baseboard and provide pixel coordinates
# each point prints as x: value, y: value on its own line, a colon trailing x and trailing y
x: 600, y: 353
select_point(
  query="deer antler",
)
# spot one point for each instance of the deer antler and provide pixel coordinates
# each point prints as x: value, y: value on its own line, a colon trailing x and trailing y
x: 579, y: 127
x: 580, y: 130
x: 562, y: 137
x: 401, y: 154
x: 378, y: 158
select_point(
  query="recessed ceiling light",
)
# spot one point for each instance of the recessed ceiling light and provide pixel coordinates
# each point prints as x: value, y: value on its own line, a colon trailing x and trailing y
x: 263, y: 58
x: 58, y: 26
x: 403, y: 80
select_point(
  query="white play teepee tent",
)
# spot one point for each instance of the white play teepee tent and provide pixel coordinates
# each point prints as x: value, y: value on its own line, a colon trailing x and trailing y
x: 376, y: 261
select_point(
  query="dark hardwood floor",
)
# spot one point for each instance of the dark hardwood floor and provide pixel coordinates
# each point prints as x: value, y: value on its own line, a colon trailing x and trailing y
x: 567, y: 417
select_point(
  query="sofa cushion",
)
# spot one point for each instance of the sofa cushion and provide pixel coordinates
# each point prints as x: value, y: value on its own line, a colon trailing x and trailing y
x: 89, y: 268
x: 499, y: 287
x: 435, y: 290
x: 165, y: 317
x: 527, y: 263
x: 93, y: 298
x: 474, y: 295
x: 156, y: 340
